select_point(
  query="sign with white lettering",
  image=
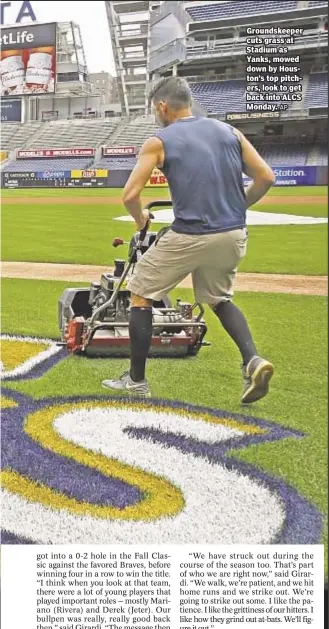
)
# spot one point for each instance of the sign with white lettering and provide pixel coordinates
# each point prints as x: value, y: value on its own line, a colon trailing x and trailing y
x: 55, y: 153
x: 117, y: 151
x: 28, y: 60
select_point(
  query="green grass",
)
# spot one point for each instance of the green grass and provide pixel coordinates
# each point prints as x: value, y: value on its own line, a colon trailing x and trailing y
x: 48, y: 193
x: 290, y: 330
x: 291, y: 249
x: 310, y: 191
x: 82, y: 234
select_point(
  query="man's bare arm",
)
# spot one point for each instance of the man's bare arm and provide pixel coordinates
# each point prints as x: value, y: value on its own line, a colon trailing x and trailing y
x: 257, y: 169
x: 149, y: 157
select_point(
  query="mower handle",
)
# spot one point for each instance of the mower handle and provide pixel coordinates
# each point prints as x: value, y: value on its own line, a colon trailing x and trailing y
x: 143, y: 232
x: 149, y: 206
x: 117, y: 242
x: 163, y: 203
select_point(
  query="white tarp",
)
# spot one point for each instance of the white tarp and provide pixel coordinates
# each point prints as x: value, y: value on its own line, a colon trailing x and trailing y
x: 253, y: 218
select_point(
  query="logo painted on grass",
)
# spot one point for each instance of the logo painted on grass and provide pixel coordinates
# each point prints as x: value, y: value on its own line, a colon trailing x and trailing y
x: 91, y: 470
x: 26, y: 357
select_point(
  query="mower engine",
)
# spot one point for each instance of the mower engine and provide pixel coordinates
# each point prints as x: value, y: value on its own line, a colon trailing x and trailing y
x: 94, y: 321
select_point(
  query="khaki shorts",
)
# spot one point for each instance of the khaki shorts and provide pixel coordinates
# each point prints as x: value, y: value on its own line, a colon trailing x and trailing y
x: 212, y: 260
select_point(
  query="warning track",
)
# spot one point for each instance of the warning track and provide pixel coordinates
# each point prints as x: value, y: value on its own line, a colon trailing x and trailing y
x: 245, y: 282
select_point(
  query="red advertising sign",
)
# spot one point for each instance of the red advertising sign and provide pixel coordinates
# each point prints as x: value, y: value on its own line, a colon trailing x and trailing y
x: 117, y: 151
x: 55, y: 153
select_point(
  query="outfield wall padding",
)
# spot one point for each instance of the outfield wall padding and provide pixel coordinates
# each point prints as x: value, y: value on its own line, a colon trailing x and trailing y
x: 321, y: 176
x: 286, y: 176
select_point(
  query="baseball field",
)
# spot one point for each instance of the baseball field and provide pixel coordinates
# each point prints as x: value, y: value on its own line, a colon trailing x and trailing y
x: 191, y: 464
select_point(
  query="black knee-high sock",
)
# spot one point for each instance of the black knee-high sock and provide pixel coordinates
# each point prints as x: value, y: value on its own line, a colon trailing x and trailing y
x: 235, y: 324
x: 140, y: 330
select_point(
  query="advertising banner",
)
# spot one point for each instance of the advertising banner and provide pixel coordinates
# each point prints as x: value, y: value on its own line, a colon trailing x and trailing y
x: 89, y: 174
x: 23, y: 175
x: 3, y: 156
x: 286, y: 176
x: 11, y: 110
x: 28, y: 60
x: 55, y: 153
x: 53, y: 174
x: 50, y: 179
x: 157, y: 180
x: 118, y: 151
x: 253, y: 115
x: 292, y: 176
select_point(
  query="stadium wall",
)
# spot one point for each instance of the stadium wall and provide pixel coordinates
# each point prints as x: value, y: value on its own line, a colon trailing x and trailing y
x: 100, y: 178
x: 52, y: 172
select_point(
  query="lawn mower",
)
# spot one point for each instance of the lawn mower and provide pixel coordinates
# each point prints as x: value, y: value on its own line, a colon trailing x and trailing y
x: 94, y: 321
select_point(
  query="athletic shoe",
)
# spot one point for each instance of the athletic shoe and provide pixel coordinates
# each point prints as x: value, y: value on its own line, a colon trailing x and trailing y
x: 125, y: 383
x: 257, y: 375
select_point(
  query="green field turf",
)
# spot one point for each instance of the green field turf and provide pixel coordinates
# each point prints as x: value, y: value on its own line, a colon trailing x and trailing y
x: 82, y: 234
x: 289, y: 330
x: 314, y: 191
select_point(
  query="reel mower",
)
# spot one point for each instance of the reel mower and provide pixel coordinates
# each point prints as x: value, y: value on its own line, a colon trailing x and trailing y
x: 94, y: 321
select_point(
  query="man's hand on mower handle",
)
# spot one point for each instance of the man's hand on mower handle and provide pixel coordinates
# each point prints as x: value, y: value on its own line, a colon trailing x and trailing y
x: 143, y: 220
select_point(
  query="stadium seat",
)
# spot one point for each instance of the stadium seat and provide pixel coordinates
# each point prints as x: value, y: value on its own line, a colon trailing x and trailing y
x: 220, y: 97
x: 285, y: 155
x: 318, y: 156
x: 235, y: 9
x: 317, y: 91
x: 15, y: 135
x: 117, y: 163
x: 135, y: 133
x: 42, y: 165
x: 75, y: 133
x: 317, y: 3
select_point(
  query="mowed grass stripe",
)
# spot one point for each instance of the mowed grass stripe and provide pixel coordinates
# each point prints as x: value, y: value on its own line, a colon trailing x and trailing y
x: 305, y: 191
x: 82, y: 234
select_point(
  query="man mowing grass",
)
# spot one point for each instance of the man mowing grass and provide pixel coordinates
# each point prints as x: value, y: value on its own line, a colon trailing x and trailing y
x: 203, y: 161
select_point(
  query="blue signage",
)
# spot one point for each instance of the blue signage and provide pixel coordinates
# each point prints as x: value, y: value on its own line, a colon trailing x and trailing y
x: 292, y: 176
x: 54, y: 174
x: 25, y: 12
x: 11, y: 110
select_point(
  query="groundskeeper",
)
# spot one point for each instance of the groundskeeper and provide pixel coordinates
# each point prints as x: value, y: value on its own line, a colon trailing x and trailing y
x: 203, y: 160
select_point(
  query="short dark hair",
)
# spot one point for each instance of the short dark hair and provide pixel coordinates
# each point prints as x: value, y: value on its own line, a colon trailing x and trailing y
x: 172, y: 90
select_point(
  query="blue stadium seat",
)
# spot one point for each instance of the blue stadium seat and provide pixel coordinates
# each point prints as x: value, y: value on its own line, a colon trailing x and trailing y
x: 235, y: 9
x: 321, y: 158
x: 317, y: 91
x: 285, y: 155
x: 117, y: 163
x: 42, y: 165
x: 220, y: 97
x: 317, y: 3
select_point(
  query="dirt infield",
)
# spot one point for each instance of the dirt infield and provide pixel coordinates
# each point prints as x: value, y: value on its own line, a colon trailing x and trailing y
x: 300, y: 200
x: 246, y: 282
